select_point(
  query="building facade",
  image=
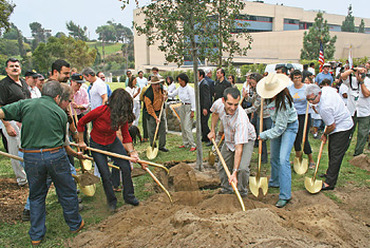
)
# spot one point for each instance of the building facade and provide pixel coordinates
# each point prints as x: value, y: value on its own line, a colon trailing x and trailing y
x: 277, y: 33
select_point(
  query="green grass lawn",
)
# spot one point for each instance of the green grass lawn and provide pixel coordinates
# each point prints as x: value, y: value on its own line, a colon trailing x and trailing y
x: 110, y: 48
x: 16, y: 235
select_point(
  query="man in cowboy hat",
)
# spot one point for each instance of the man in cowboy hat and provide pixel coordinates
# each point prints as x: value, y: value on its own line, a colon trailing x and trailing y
x: 153, y: 99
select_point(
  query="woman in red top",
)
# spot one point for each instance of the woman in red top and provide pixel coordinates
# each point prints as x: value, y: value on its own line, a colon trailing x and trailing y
x: 107, y: 120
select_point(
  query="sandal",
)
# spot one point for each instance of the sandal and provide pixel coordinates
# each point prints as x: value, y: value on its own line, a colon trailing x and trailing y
x: 117, y: 189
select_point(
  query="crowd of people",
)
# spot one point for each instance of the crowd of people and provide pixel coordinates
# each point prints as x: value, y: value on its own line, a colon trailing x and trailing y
x: 37, y: 124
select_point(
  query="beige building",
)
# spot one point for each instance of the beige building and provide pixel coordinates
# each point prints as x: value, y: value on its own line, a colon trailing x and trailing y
x: 277, y: 33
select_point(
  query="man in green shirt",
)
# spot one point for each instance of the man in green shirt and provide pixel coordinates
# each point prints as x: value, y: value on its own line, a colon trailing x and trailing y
x: 42, y: 139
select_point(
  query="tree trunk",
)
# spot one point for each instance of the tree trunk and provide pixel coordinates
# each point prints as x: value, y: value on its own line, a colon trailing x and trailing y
x: 103, y: 51
x: 197, y: 102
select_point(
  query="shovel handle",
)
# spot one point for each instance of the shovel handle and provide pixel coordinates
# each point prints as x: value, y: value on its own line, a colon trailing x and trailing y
x: 110, y: 165
x: 11, y: 156
x: 159, y: 183
x: 229, y: 175
x: 124, y: 157
x: 157, y: 127
x: 222, y: 138
x: 319, y: 158
x: 260, y: 141
x: 305, y: 126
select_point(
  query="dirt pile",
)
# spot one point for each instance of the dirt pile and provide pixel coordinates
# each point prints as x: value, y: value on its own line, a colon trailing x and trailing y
x: 361, y: 161
x: 206, y: 219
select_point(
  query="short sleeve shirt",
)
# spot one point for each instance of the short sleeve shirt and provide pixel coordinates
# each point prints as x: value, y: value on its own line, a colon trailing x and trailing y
x: 237, y: 128
x: 299, y: 98
x: 10, y: 91
x: 98, y: 89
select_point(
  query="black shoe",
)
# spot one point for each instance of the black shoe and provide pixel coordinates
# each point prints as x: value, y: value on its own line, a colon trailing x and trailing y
x: 326, y: 187
x: 322, y: 175
x: 164, y: 149
x: 133, y: 201
x: 26, y: 215
x: 281, y: 203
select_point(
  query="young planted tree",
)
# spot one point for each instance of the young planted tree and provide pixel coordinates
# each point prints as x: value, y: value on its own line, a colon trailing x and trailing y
x: 319, y: 31
x: 193, y: 29
x: 348, y: 25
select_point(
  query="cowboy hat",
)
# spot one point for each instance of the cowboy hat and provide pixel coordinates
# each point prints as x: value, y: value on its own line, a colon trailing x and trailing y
x: 156, y: 80
x: 272, y: 84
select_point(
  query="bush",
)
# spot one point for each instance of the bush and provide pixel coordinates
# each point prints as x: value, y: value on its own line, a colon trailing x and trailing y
x: 114, y: 79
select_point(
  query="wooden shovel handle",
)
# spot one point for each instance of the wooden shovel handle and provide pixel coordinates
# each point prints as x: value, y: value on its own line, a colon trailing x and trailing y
x: 124, y: 157
x: 305, y: 126
x: 260, y: 141
x: 157, y: 127
x: 159, y: 183
x: 229, y: 175
x: 319, y: 158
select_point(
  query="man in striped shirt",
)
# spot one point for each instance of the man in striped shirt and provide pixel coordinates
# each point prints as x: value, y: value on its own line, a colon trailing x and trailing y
x: 239, y: 140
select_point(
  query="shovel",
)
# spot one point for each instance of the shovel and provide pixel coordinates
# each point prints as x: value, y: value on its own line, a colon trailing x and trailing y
x: 212, y: 155
x: 124, y: 157
x: 311, y: 184
x: 300, y: 163
x: 151, y: 151
x: 86, y: 165
x: 86, y: 181
x: 140, y: 161
x: 258, y: 182
x: 236, y: 191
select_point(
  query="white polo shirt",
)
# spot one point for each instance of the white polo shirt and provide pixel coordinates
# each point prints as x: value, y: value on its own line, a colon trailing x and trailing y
x: 98, y: 89
x: 363, y: 103
x: 332, y: 110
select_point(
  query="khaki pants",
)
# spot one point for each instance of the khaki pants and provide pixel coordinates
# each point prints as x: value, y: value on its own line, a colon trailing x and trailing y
x: 243, y: 172
x: 186, y: 126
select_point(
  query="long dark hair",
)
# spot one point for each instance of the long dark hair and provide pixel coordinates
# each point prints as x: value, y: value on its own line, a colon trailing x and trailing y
x: 171, y: 80
x: 131, y: 81
x: 280, y: 99
x: 121, y: 105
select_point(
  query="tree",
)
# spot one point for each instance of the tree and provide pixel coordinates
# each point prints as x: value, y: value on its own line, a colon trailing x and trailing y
x: 106, y: 33
x: 361, y: 28
x: 348, y: 25
x: 319, y: 31
x: 60, y: 34
x: 38, y: 34
x: 6, y: 9
x: 76, y: 31
x: 11, y: 33
x: 76, y: 52
x: 193, y: 29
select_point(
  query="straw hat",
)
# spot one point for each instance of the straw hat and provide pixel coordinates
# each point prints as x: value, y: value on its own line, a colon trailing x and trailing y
x: 156, y: 80
x: 272, y: 84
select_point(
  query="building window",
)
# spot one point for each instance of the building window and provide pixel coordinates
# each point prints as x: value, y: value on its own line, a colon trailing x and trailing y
x: 291, y: 24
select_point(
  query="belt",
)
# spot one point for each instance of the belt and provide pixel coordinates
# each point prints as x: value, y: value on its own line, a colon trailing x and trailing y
x: 186, y: 103
x: 40, y: 150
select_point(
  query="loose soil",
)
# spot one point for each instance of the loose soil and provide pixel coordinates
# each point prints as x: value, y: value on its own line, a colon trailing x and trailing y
x: 204, y: 218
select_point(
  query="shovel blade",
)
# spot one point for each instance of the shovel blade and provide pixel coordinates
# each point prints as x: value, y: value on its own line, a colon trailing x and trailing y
x: 312, y: 185
x: 88, y: 179
x: 87, y: 164
x: 211, y: 158
x: 88, y: 190
x: 151, y: 153
x: 258, y: 183
x: 300, y: 165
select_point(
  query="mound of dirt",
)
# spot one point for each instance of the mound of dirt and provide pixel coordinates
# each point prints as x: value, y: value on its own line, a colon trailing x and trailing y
x: 361, y: 161
x: 206, y: 219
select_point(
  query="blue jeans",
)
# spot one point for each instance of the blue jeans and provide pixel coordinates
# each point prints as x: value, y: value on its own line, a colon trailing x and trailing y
x: 38, y: 167
x: 48, y: 181
x: 106, y: 176
x: 280, y: 166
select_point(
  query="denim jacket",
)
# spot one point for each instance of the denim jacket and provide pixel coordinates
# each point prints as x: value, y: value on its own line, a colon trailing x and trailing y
x: 280, y: 118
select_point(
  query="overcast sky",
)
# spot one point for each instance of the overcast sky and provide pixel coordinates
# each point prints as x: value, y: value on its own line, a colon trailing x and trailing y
x: 53, y: 14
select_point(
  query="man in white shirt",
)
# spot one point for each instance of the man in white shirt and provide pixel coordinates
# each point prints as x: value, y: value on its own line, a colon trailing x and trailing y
x: 338, y: 123
x: 31, y: 79
x: 98, y: 92
x: 239, y: 140
x: 141, y: 80
x: 359, y: 103
x: 312, y: 68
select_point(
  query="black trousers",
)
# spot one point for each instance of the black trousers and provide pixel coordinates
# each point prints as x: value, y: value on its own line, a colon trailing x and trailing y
x: 299, y: 138
x: 337, y: 147
x: 204, y: 125
x: 144, y: 124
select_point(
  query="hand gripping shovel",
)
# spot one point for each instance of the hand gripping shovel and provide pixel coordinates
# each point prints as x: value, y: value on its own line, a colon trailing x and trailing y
x: 151, y: 151
x: 311, y: 184
x: 236, y: 191
x: 86, y: 179
x: 131, y: 159
x: 300, y: 163
x: 256, y: 183
x: 212, y: 155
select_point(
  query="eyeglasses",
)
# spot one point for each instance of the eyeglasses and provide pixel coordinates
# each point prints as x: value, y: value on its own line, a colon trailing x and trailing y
x: 311, y: 99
